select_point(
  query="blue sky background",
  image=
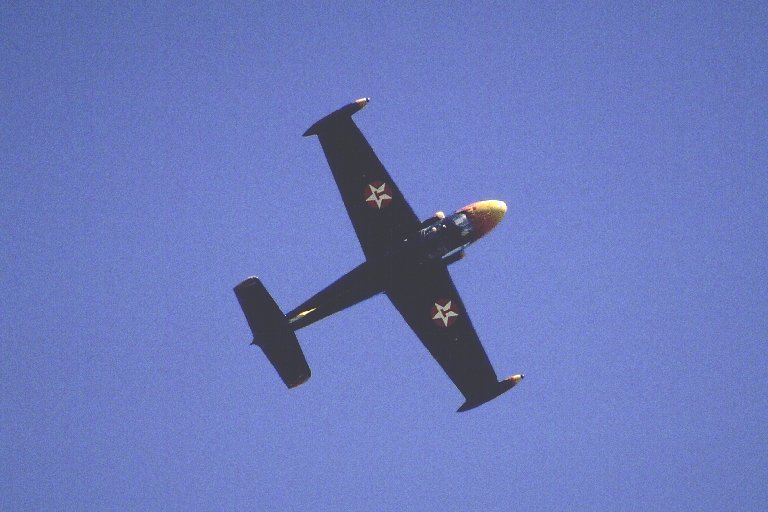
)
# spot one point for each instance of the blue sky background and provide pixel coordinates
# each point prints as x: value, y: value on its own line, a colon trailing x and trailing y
x: 151, y: 158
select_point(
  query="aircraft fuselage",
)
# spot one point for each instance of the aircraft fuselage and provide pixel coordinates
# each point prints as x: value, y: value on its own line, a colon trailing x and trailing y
x: 440, y: 241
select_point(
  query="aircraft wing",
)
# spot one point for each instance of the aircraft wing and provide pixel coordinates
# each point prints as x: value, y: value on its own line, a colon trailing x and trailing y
x: 379, y: 212
x: 431, y: 306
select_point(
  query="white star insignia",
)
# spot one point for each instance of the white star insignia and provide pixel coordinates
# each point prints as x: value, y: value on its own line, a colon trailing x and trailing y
x: 444, y: 313
x: 378, y: 195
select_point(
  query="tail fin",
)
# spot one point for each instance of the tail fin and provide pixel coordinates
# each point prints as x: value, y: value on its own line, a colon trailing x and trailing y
x: 272, y: 333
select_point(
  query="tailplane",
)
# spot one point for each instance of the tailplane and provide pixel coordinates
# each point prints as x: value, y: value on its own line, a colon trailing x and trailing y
x: 272, y: 333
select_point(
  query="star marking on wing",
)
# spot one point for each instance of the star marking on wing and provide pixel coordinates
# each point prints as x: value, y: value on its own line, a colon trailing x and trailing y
x: 444, y: 313
x: 377, y: 195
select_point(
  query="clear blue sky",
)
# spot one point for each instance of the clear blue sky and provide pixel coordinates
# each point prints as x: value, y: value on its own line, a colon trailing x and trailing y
x: 151, y: 157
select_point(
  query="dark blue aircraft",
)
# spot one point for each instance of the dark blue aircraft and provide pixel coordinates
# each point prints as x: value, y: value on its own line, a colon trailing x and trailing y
x: 406, y: 259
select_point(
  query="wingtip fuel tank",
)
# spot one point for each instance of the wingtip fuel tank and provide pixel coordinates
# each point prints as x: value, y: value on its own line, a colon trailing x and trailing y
x: 361, y: 102
x: 502, y: 387
x: 345, y: 111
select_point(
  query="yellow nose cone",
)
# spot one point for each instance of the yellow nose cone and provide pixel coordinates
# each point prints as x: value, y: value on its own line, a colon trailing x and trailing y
x: 484, y: 215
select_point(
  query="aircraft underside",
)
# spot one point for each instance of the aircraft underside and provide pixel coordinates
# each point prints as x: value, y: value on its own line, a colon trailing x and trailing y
x: 405, y: 258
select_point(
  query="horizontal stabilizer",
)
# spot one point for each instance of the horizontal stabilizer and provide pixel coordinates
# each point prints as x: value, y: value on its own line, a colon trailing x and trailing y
x: 500, y: 388
x: 272, y: 333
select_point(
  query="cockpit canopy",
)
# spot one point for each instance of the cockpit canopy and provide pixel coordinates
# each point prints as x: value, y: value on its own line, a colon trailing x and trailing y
x: 445, y: 237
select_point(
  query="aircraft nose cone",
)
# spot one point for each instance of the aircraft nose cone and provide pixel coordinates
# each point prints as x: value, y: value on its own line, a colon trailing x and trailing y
x: 484, y: 215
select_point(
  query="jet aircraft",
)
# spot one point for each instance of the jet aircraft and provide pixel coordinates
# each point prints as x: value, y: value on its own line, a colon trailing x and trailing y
x: 405, y: 258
